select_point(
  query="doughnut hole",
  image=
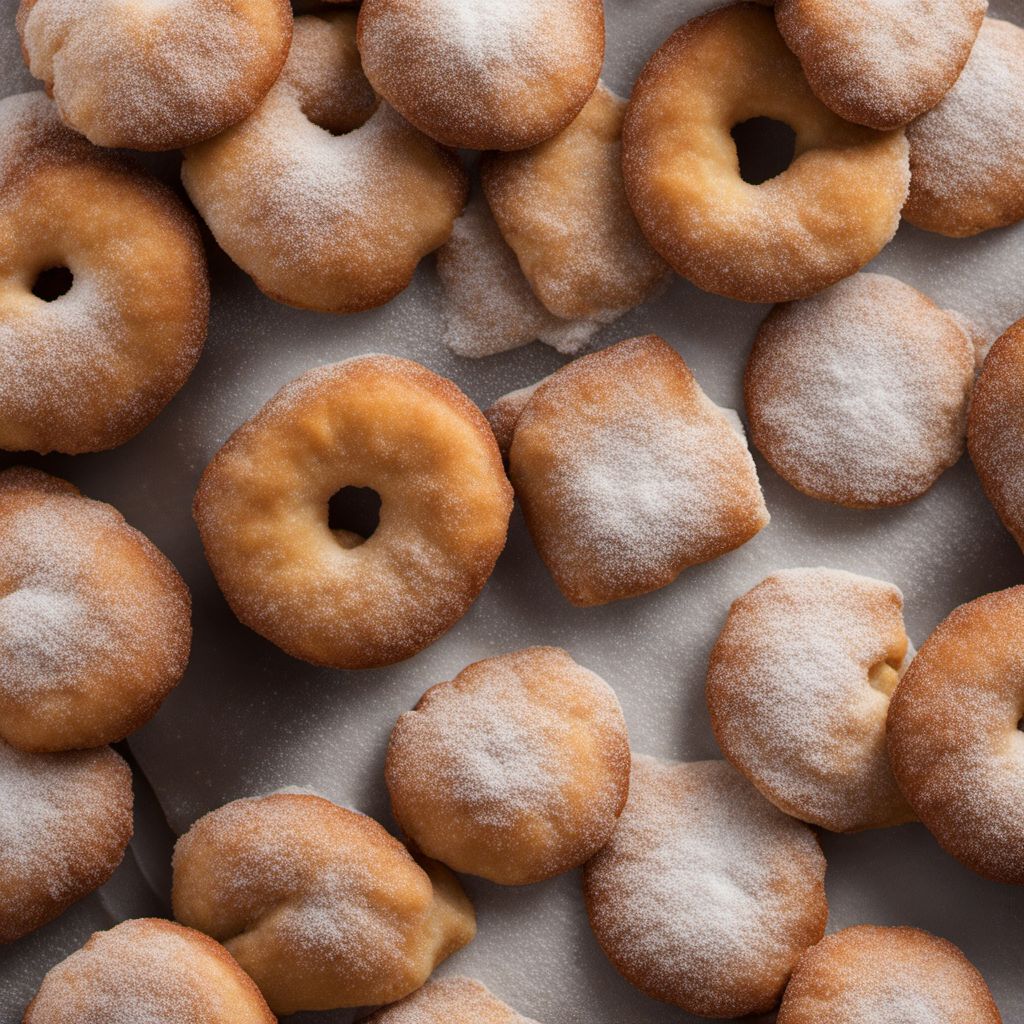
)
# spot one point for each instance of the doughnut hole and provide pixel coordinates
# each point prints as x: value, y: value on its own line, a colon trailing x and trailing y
x: 353, y: 515
x: 884, y: 675
x: 53, y: 282
x: 764, y: 147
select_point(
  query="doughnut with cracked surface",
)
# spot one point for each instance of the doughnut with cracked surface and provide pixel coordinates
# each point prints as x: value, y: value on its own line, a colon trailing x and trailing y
x: 867, y: 974
x: 830, y: 212
x: 449, y: 1000
x: 706, y: 895
x: 798, y: 689
x: 152, y: 971
x: 94, y: 621
x: 484, y: 74
x: 305, y: 193
x: 65, y: 821
x: 89, y: 369
x: 859, y: 395
x: 373, y: 421
x: 319, y: 904
x: 628, y: 473
x: 154, y: 76
x: 515, y: 770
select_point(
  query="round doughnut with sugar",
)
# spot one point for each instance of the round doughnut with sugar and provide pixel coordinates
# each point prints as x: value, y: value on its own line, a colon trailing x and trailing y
x: 319, y: 904
x: 798, y: 689
x: 954, y: 742
x: 449, y: 1000
x: 966, y: 172
x: 94, y: 620
x: 561, y: 206
x: 65, y: 821
x: 378, y: 422
x: 149, y: 971
x: 859, y: 395
x: 823, y: 218
x: 154, y: 75
x: 995, y: 434
x: 867, y: 974
x: 305, y: 193
x: 881, y: 63
x: 706, y: 895
x: 121, y: 259
x: 627, y: 473
x: 515, y: 770
x: 484, y: 74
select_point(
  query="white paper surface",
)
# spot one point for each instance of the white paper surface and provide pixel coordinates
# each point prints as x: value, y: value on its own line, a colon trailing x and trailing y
x: 248, y: 719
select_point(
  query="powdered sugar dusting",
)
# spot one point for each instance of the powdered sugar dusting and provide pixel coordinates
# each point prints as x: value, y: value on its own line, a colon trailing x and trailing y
x: 450, y: 1000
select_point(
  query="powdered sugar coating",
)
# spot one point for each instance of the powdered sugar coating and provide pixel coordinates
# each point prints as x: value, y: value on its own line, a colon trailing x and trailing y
x: 450, y: 1000
x: 154, y: 75
x: 504, y: 412
x: 516, y: 770
x: 706, y: 895
x: 65, y: 820
x: 966, y: 173
x: 628, y: 473
x: 881, y: 62
x: 798, y: 688
x: 859, y: 395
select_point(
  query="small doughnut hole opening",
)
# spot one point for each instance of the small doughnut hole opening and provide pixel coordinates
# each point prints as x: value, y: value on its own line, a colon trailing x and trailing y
x: 765, y: 148
x: 353, y: 514
x: 52, y: 283
x: 884, y: 676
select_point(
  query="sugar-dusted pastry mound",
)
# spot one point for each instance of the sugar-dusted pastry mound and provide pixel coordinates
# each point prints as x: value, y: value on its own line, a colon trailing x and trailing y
x: 94, y: 621
x: 859, y: 395
x: 954, y: 739
x: 330, y: 597
x: 878, y: 62
x: 830, y: 212
x: 995, y: 433
x: 103, y: 288
x: 154, y: 75
x: 706, y: 895
x: 450, y: 1000
x: 65, y: 820
x: 504, y: 412
x: 516, y: 770
x: 148, y: 971
x: 484, y: 74
x: 628, y: 473
x: 867, y: 974
x: 319, y: 904
x: 561, y: 206
x: 798, y: 688
x: 308, y: 193
x: 966, y: 172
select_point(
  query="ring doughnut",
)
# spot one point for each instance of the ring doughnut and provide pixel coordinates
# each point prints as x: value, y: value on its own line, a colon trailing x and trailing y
x: 966, y: 175
x: 706, y: 895
x: 65, y: 821
x: 954, y: 742
x: 148, y: 970
x: 798, y: 689
x: 379, y: 422
x: 879, y: 64
x: 320, y: 906
x: 517, y: 770
x: 859, y: 395
x: 450, y: 1000
x: 305, y: 194
x: 995, y: 434
x: 835, y: 207
x: 484, y: 76
x: 91, y: 368
x: 94, y: 620
x: 866, y: 974
x: 147, y: 76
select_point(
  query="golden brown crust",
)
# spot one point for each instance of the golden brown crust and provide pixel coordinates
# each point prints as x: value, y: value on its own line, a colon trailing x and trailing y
x: 822, y: 219
x: 865, y: 974
x: 449, y: 1000
x: 321, y: 906
x: 94, y: 621
x: 374, y: 421
x: 953, y: 736
x: 503, y: 79
x: 995, y: 430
